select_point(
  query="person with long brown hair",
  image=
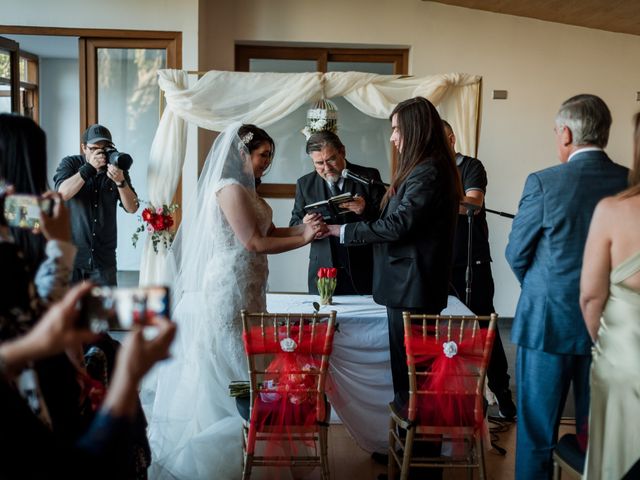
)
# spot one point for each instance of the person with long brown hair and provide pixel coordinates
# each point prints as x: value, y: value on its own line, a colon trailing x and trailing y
x: 413, y: 238
x: 610, y: 303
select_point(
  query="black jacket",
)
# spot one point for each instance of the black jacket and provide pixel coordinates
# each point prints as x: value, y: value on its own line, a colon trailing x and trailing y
x: 413, y: 241
x: 313, y: 188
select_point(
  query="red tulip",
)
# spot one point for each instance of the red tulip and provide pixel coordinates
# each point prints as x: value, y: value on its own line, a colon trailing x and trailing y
x: 332, y: 272
x: 322, y: 272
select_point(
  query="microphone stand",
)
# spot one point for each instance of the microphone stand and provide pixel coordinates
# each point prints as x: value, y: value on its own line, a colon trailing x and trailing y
x: 468, y: 274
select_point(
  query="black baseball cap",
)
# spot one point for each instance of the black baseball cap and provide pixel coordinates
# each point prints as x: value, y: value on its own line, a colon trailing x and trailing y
x: 96, y: 133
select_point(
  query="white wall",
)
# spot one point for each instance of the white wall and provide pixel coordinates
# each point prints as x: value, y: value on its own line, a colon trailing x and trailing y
x: 539, y: 63
x: 59, y: 110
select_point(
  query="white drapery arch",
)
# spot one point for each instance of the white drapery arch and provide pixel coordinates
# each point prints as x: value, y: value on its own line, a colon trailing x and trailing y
x: 220, y: 98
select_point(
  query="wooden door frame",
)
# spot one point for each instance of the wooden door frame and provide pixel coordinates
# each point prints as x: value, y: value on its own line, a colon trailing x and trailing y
x: 88, y: 69
x: 14, y: 64
x: 170, y: 40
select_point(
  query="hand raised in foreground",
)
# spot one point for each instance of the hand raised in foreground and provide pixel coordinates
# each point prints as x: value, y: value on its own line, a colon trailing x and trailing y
x: 135, y: 358
x: 57, y: 226
x: 54, y: 333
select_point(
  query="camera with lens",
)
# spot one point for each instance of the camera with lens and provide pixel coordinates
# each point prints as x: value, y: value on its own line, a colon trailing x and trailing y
x: 118, y: 159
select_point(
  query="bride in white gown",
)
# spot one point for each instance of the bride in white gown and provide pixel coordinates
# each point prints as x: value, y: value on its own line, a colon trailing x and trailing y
x: 194, y: 427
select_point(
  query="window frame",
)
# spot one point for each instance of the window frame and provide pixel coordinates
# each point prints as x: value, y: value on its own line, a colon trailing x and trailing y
x: 14, y: 64
x: 322, y: 55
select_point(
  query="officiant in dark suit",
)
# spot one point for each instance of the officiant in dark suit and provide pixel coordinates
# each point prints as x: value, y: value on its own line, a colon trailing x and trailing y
x: 413, y: 239
x: 354, y: 263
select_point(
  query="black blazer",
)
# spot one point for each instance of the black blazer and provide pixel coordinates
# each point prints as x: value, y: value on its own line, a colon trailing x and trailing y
x: 413, y: 242
x: 313, y: 188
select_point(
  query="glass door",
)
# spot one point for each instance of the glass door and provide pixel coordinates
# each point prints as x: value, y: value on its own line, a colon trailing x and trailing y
x: 123, y: 95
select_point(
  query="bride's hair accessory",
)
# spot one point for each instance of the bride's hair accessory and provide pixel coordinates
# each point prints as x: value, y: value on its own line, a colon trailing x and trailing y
x: 247, y: 138
x: 323, y: 115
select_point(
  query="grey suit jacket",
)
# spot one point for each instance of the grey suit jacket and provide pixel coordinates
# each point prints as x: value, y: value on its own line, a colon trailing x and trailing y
x: 546, y: 246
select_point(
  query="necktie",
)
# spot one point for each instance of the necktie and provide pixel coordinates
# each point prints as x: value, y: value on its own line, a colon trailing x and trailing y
x: 333, y: 188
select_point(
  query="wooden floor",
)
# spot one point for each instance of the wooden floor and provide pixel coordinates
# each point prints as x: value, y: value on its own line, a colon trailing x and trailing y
x: 349, y: 462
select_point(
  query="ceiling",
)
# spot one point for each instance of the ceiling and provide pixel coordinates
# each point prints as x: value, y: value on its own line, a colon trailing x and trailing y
x: 611, y: 15
x: 46, y: 46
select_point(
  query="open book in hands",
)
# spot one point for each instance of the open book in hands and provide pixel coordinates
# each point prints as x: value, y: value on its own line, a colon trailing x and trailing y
x: 329, y: 208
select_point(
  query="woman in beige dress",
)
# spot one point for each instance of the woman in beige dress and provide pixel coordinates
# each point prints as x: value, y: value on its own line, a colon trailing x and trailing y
x: 610, y: 302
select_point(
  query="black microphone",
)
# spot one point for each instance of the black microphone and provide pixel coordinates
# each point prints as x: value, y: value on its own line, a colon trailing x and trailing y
x: 346, y: 173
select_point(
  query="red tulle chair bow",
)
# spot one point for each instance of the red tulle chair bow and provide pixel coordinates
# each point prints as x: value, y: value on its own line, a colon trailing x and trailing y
x: 447, y: 358
x: 288, y: 403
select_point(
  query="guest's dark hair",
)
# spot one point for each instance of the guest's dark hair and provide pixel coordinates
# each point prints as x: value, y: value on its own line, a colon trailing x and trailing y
x: 423, y: 140
x: 634, y: 173
x: 322, y: 139
x: 23, y: 154
x: 23, y: 164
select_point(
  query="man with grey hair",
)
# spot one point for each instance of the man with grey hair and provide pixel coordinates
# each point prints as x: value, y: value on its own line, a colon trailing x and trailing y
x: 545, y: 253
x: 354, y: 264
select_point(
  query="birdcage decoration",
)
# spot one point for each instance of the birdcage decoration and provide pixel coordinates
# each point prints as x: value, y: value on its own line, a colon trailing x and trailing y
x: 323, y: 115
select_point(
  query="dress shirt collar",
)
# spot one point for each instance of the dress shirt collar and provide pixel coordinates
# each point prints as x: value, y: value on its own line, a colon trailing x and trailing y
x: 339, y: 183
x: 583, y: 150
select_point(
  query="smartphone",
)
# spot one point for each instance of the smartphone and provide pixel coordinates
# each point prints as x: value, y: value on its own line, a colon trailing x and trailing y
x: 23, y: 211
x: 108, y: 308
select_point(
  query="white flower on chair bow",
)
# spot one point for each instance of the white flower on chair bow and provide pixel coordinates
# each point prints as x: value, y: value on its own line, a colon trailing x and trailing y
x: 288, y: 344
x: 450, y: 349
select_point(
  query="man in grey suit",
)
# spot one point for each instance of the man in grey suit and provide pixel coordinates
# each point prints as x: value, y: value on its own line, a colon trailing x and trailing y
x: 545, y: 252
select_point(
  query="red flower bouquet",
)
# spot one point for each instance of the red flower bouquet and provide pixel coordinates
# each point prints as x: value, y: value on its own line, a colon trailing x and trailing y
x: 327, y: 281
x: 157, y: 222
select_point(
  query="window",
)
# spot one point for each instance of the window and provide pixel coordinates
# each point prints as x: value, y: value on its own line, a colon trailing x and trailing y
x: 29, y: 85
x: 366, y: 138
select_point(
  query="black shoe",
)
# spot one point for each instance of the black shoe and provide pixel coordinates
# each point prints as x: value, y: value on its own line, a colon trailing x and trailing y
x: 506, y: 407
x: 381, y: 458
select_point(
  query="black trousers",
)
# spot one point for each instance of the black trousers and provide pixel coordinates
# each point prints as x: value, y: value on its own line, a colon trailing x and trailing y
x: 399, y: 369
x: 481, y: 303
x: 104, y: 277
x: 400, y: 375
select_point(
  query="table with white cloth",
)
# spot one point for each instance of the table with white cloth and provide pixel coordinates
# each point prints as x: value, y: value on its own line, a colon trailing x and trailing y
x: 360, y: 371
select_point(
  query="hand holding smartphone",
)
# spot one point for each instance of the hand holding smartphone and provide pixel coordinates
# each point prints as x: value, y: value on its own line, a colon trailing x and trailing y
x: 23, y: 210
x: 107, y: 308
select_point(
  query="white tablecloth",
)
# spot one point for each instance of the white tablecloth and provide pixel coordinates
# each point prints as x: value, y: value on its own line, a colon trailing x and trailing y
x: 361, y: 386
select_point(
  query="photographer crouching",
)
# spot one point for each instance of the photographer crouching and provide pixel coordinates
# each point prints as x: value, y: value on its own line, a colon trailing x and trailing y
x: 92, y: 184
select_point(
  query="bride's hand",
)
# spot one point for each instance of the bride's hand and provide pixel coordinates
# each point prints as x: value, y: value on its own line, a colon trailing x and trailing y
x: 313, y: 229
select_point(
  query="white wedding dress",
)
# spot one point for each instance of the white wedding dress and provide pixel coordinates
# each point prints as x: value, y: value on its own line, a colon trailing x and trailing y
x: 194, y: 426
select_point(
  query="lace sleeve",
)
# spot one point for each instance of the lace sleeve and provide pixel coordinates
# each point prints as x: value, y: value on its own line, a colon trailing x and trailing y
x: 224, y: 182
